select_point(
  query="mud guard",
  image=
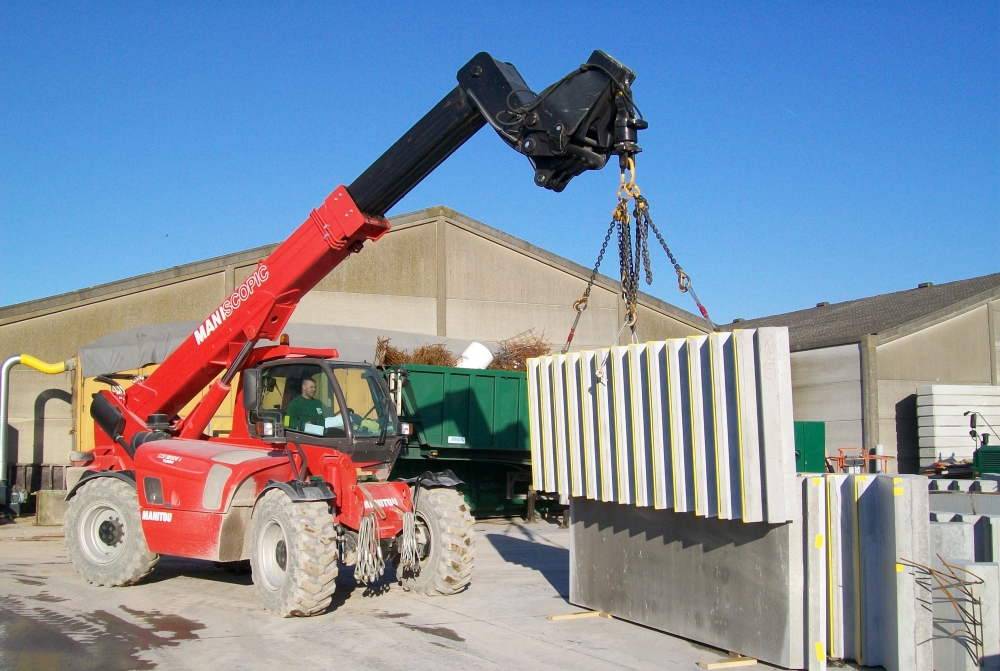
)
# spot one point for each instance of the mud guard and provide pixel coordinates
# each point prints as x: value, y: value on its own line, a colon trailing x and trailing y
x: 124, y: 476
x: 299, y: 491
x: 429, y: 480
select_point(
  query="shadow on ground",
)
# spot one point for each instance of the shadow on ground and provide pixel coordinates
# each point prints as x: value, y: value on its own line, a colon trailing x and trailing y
x: 551, y: 561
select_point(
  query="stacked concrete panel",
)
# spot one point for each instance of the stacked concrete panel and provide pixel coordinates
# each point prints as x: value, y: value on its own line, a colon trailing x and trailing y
x: 701, y: 424
x: 942, y: 426
x: 836, y: 582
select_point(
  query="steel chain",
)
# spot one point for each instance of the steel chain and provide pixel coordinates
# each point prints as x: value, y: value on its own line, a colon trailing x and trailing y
x: 631, y: 266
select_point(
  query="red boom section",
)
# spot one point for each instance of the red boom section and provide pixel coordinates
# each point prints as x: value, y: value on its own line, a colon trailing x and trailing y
x: 259, y: 307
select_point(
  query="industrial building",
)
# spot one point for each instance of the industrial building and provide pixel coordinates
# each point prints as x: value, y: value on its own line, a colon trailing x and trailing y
x: 856, y: 365
x: 436, y: 272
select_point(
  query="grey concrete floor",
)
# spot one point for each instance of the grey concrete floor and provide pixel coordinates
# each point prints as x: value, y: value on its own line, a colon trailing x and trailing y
x: 191, y: 615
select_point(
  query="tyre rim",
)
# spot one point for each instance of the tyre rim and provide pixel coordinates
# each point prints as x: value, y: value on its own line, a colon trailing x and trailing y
x: 273, y: 554
x: 102, y: 528
x: 421, y: 529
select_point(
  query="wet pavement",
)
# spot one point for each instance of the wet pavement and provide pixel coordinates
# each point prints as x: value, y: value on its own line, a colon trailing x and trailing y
x: 191, y: 615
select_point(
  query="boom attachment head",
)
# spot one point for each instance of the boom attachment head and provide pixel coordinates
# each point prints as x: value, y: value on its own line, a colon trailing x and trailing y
x: 572, y: 126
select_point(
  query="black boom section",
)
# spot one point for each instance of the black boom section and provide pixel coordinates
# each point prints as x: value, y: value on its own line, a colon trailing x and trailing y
x: 572, y: 126
x: 415, y: 155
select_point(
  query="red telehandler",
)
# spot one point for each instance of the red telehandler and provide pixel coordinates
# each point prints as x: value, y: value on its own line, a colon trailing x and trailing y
x: 302, y: 481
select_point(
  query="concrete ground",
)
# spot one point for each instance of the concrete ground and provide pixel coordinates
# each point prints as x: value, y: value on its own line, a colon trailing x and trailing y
x: 191, y: 615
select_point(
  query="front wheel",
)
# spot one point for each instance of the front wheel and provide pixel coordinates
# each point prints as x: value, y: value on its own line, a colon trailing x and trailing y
x: 446, y: 544
x: 294, y: 555
x: 104, y: 536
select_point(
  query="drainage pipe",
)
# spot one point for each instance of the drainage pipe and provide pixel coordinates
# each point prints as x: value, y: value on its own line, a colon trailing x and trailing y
x: 32, y: 362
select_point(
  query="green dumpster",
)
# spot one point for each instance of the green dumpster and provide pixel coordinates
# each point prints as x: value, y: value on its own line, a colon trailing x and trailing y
x: 474, y: 422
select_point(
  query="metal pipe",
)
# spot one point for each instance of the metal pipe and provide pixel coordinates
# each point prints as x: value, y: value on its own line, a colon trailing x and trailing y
x: 4, y: 400
x: 37, y: 364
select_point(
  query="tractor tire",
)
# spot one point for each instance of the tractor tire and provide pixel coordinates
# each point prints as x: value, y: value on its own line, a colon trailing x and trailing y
x: 104, y: 536
x: 446, y: 544
x: 293, y: 555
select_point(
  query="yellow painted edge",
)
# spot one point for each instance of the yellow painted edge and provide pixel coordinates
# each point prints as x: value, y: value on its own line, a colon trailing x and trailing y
x: 535, y: 440
x: 819, y: 541
x: 900, y: 568
x: 657, y: 494
x: 820, y: 653
x: 588, y: 466
x: 673, y: 434
x: 694, y: 428
x: 897, y: 491
x: 739, y: 422
x: 637, y: 441
x: 830, y: 606
x: 715, y: 428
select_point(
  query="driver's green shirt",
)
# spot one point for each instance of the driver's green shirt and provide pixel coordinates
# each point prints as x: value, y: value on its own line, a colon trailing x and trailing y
x: 302, y: 411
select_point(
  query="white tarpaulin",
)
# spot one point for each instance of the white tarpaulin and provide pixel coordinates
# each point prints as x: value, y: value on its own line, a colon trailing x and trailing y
x: 133, y: 348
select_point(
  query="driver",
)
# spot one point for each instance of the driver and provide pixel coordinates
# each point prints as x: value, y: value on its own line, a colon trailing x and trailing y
x: 306, y: 409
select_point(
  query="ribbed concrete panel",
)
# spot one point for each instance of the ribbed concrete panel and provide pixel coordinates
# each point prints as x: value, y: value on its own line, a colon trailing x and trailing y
x: 701, y: 424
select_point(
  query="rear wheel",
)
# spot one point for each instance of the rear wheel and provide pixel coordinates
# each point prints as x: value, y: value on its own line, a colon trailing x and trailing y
x: 446, y: 544
x: 294, y: 555
x: 104, y: 536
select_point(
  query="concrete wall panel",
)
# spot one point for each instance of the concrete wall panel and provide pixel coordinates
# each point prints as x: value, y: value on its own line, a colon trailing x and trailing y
x: 56, y: 336
x: 397, y: 313
x: 826, y: 366
x: 956, y: 350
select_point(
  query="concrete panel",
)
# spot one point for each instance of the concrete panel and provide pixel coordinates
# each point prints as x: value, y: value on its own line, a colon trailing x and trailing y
x: 814, y: 516
x: 956, y: 350
x: 479, y: 269
x: 953, y: 540
x: 376, y: 270
x: 837, y: 401
x: 954, y: 649
x: 492, y: 321
x: 896, y: 614
x: 396, y: 313
x: 826, y: 366
x: 40, y: 417
x: 658, y: 410
x: 57, y: 336
x: 842, y: 434
x: 734, y: 586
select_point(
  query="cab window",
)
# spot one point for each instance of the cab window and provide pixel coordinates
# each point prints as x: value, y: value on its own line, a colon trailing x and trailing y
x: 367, y: 405
x: 305, y: 397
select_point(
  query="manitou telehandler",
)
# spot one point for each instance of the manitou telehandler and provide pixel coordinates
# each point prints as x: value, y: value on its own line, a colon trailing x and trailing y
x: 302, y: 480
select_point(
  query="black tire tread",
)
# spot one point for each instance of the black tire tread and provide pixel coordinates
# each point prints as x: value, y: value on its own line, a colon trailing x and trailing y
x: 456, y: 564
x: 312, y: 565
x: 137, y: 561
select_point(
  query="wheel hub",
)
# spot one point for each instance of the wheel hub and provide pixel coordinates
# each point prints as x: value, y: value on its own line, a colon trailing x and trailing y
x: 281, y: 554
x: 110, y: 532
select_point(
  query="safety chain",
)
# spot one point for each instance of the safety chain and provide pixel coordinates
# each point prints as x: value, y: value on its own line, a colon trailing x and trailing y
x: 629, y: 264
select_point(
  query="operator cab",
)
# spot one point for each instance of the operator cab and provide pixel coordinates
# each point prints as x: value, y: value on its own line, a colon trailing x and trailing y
x: 323, y: 402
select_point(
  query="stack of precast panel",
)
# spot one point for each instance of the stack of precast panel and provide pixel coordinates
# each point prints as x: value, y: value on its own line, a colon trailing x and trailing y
x: 942, y: 425
x: 687, y: 514
x: 701, y: 424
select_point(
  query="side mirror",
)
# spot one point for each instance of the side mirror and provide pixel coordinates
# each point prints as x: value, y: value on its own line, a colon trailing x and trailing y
x: 251, y: 389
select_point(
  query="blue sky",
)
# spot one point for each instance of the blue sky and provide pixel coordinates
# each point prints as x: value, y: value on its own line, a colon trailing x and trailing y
x: 797, y: 152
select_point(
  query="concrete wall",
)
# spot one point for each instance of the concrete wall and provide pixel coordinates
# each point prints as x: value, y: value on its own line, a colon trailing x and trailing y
x: 959, y: 350
x: 435, y: 272
x: 826, y: 387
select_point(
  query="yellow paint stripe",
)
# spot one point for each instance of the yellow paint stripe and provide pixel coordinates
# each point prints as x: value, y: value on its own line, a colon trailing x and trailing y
x: 715, y: 429
x: 830, y: 605
x: 657, y: 495
x: 694, y: 427
x: 739, y: 421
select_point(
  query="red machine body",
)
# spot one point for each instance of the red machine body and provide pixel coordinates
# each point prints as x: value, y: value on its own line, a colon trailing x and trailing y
x: 207, y: 486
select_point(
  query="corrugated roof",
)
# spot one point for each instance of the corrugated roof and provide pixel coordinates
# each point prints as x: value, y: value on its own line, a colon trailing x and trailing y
x: 847, y: 322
